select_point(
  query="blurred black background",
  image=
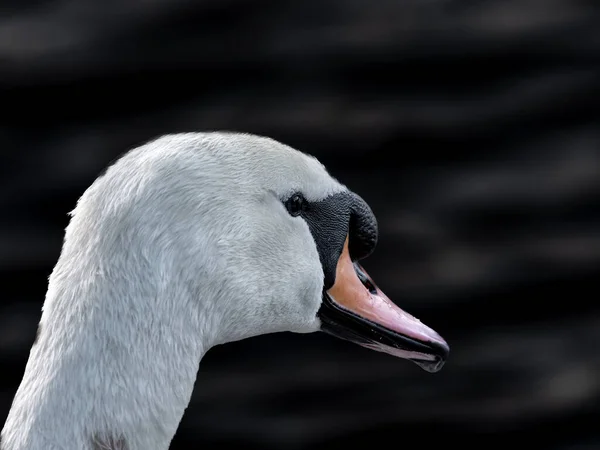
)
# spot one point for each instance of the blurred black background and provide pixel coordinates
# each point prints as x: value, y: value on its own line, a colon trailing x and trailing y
x: 471, y: 127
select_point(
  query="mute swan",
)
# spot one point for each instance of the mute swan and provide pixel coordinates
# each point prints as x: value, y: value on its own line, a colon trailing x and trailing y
x: 190, y: 241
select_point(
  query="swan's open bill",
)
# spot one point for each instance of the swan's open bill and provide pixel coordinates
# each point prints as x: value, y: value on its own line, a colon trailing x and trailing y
x: 355, y: 309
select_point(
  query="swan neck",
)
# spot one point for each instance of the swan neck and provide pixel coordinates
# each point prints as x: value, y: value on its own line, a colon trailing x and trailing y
x: 115, y: 362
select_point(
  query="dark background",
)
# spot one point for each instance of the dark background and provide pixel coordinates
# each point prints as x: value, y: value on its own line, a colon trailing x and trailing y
x: 471, y: 127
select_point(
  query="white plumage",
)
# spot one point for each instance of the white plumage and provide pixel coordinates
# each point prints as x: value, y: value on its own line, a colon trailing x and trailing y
x: 183, y: 244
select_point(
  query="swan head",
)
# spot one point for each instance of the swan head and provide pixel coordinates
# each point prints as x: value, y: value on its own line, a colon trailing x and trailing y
x: 259, y: 235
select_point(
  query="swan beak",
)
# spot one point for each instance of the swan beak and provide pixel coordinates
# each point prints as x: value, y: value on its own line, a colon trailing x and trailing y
x: 355, y: 309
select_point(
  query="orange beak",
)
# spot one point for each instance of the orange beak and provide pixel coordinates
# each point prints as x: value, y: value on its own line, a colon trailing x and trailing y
x: 356, y: 310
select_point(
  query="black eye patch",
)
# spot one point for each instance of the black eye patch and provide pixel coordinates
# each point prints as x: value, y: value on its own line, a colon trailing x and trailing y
x: 333, y: 219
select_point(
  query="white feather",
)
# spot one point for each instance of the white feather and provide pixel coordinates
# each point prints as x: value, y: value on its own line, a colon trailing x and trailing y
x: 183, y: 244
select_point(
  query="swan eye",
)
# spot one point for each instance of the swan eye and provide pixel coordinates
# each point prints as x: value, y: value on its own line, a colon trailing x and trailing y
x: 295, y: 204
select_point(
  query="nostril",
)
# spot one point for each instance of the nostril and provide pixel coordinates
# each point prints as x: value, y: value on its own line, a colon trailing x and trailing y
x: 364, y: 279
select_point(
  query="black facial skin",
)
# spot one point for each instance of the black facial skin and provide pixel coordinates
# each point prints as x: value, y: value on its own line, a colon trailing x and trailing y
x: 330, y: 221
